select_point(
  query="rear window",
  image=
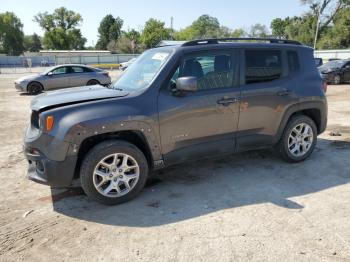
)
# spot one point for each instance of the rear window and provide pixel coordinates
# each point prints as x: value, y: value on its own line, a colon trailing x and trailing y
x: 293, y: 61
x: 87, y: 70
x: 77, y: 69
x: 262, y: 65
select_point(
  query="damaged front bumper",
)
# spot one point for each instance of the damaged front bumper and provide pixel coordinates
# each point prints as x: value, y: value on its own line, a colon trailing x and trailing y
x: 50, y: 161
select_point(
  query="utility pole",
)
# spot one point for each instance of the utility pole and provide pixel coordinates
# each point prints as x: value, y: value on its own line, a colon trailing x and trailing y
x: 171, y: 26
x: 317, y: 27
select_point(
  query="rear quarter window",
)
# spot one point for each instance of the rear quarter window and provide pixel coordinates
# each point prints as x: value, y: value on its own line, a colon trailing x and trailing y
x: 262, y: 66
x: 293, y: 61
x: 87, y: 70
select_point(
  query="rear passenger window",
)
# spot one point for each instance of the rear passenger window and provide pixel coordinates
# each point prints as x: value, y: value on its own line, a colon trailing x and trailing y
x: 293, y: 61
x: 87, y: 70
x: 262, y: 66
x: 77, y: 69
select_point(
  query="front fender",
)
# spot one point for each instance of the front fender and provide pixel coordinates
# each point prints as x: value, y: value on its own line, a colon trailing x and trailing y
x: 77, y: 134
x: 75, y: 123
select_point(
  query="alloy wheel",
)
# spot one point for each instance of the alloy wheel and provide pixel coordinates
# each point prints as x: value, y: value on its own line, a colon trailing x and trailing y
x: 116, y: 175
x: 300, y: 139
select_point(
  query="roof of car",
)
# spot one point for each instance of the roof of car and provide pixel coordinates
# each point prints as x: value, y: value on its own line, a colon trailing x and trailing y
x: 81, y: 65
x: 232, y: 42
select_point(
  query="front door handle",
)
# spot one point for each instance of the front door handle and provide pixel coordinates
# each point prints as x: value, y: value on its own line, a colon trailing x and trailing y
x: 227, y: 101
x: 285, y: 92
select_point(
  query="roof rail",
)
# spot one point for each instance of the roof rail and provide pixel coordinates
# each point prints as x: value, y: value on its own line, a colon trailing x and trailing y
x: 218, y: 40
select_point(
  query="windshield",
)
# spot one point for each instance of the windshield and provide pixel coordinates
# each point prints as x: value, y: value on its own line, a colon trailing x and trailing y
x: 335, y: 64
x: 141, y: 73
x: 47, y: 70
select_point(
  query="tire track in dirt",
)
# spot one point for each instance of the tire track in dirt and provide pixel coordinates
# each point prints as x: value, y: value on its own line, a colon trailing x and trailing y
x: 13, y: 239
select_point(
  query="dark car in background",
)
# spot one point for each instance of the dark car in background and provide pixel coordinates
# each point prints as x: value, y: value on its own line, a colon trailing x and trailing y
x: 318, y: 62
x: 62, y: 76
x: 336, y: 71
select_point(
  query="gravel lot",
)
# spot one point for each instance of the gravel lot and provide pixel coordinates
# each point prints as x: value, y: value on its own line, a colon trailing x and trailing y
x: 247, y: 207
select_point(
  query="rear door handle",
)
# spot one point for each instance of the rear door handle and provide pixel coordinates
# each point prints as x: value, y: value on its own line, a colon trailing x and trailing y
x: 227, y: 101
x: 285, y: 92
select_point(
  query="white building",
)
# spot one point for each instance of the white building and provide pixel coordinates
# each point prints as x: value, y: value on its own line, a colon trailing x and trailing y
x: 331, y: 54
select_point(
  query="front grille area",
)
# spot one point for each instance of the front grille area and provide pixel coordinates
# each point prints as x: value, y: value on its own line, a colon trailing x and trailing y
x: 35, y: 119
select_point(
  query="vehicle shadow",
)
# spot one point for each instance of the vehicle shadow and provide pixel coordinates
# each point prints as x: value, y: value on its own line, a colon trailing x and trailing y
x: 199, y: 188
x: 27, y: 94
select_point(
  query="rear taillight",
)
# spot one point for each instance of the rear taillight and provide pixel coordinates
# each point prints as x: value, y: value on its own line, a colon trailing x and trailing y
x: 324, y: 87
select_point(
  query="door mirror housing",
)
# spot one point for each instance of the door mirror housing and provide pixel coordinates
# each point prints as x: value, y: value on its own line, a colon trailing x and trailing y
x: 50, y: 73
x: 187, y: 84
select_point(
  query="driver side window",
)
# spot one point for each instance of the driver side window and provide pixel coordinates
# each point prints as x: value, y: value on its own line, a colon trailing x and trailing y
x: 212, y: 70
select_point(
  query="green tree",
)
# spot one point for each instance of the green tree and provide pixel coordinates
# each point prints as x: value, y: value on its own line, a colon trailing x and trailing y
x: 32, y: 43
x: 323, y: 13
x: 239, y: 32
x: 258, y: 30
x: 204, y: 27
x: 337, y: 36
x: 11, y: 34
x: 109, y: 30
x: 326, y: 10
x: 61, y: 30
x: 278, y: 27
x: 124, y: 46
x: 154, y: 32
x: 297, y: 28
x: 185, y: 34
x: 132, y: 35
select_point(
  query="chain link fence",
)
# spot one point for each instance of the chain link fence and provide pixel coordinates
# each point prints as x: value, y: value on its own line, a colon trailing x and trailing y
x: 27, y: 64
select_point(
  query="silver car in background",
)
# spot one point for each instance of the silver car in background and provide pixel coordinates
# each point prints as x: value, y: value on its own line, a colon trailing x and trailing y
x: 62, y: 76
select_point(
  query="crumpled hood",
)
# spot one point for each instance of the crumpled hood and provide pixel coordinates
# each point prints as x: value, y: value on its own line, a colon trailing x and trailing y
x: 326, y: 70
x: 26, y: 78
x: 73, y: 96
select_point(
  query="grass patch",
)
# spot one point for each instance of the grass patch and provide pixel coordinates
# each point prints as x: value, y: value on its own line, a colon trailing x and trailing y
x: 106, y: 66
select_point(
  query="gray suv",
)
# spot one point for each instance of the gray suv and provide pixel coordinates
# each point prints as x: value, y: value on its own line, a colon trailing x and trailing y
x: 177, y: 103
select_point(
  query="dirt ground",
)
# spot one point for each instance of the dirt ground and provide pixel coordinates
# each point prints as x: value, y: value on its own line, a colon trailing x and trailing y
x: 247, y: 207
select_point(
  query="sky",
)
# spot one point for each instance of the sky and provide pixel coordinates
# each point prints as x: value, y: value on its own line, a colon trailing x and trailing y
x: 231, y: 13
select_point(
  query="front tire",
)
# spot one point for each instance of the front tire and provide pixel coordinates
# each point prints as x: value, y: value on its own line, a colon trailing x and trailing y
x: 35, y: 88
x: 298, y: 139
x: 113, y: 172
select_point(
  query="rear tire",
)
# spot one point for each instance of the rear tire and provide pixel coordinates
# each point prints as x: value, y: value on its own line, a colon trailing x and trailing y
x: 93, y: 82
x: 298, y: 139
x: 35, y: 88
x: 105, y: 177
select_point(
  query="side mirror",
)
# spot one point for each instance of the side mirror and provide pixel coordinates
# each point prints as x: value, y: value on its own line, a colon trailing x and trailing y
x: 49, y: 73
x: 187, y: 84
x: 347, y: 67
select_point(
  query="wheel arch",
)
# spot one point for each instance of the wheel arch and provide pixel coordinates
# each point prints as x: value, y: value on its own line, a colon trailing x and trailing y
x: 37, y: 82
x: 93, y: 79
x: 313, y: 110
x: 134, y: 137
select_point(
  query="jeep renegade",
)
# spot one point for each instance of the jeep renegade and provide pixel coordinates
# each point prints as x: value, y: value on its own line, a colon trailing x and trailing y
x: 176, y: 103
